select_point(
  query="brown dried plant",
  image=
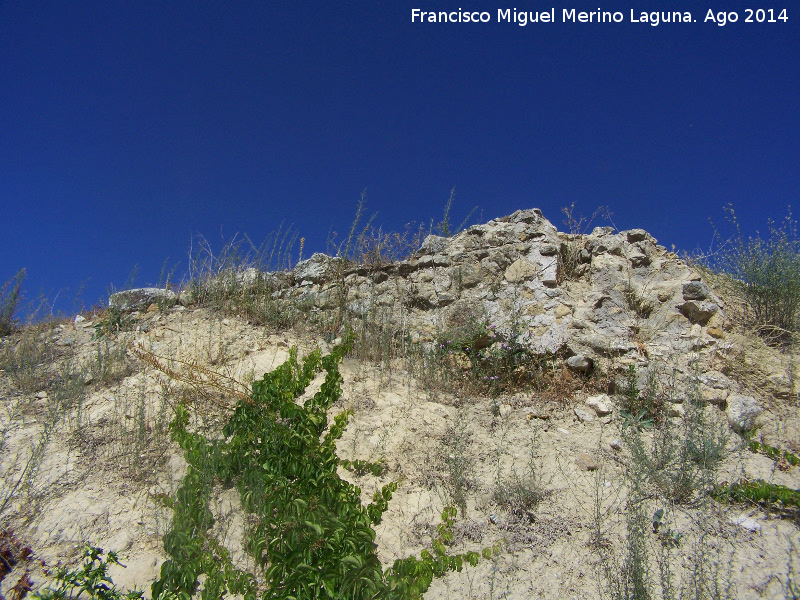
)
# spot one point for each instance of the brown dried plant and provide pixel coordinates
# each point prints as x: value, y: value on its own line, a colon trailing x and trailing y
x: 194, y: 375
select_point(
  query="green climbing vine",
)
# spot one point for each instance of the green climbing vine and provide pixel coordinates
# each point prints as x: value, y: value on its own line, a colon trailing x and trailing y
x: 312, y: 537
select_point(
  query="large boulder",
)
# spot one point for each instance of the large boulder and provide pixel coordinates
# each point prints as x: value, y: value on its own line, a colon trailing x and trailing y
x: 696, y: 290
x: 697, y: 311
x: 317, y: 268
x: 141, y: 298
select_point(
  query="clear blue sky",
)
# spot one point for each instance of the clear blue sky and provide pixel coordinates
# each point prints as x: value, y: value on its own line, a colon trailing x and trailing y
x: 128, y: 127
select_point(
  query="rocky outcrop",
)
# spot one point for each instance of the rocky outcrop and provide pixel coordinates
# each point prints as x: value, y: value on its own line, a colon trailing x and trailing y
x: 598, y: 302
x: 602, y: 300
x: 141, y: 298
x: 602, y: 297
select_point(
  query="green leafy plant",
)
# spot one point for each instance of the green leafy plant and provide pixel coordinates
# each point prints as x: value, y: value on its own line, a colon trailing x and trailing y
x: 91, y: 579
x: 638, y: 421
x: 312, y: 538
x: 773, y: 452
x: 770, y: 496
x: 643, y: 400
x: 362, y: 467
x: 410, y: 577
x: 664, y: 532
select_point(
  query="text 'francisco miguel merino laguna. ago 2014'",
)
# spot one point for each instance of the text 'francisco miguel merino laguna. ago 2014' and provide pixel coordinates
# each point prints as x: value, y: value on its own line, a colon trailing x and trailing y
x: 570, y: 15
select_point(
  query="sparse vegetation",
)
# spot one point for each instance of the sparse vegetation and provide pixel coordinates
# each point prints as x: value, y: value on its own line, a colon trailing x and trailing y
x: 774, y: 498
x: 242, y: 278
x: 113, y: 322
x: 10, y: 295
x: 92, y: 579
x: 521, y: 490
x: 682, y: 458
x: 453, y: 454
x: 765, y: 274
x: 27, y: 358
x: 573, y: 258
x: 471, y: 354
x: 444, y: 226
x: 670, y: 470
x: 642, y: 399
x: 774, y: 453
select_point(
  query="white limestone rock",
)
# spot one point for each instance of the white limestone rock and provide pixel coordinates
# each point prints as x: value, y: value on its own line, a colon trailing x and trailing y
x: 742, y: 411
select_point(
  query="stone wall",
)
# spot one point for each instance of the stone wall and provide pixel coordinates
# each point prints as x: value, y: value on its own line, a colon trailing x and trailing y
x: 610, y: 298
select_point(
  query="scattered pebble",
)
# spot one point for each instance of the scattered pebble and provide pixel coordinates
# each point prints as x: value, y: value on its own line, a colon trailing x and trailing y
x: 601, y: 404
x: 586, y: 462
x: 746, y: 522
x: 584, y: 414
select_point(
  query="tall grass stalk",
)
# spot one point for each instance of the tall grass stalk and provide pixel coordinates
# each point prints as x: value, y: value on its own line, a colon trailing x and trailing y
x: 10, y: 295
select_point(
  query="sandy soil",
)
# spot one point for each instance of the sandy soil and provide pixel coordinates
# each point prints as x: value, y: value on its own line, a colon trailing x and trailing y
x: 106, y: 461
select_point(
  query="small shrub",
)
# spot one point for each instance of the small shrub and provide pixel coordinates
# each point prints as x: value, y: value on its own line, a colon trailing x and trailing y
x: 454, y: 458
x: 9, y: 301
x: 765, y: 273
x: 110, y: 363
x: 522, y: 491
x: 682, y: 458
x: 674, y: 465
x: 642, y: 401
x: 638, y: 421
x: 92, y: 579
x: 113, y: 322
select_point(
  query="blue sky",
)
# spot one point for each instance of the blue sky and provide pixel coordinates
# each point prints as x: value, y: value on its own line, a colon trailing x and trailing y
x: 126, y: 128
